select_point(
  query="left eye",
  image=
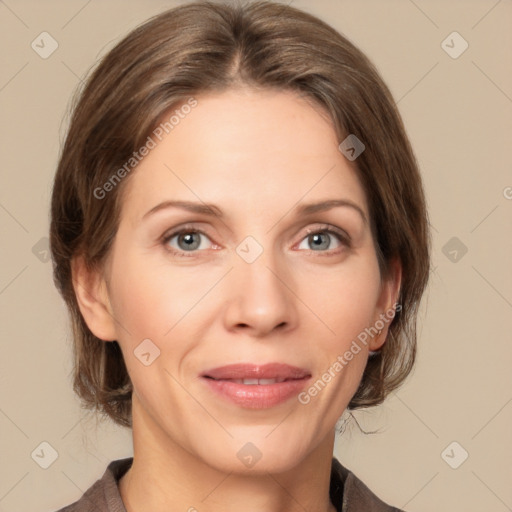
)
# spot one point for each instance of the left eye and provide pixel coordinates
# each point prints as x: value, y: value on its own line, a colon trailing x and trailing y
x: 321, y: 240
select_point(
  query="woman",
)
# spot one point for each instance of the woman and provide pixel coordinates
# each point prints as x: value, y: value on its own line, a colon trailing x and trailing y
x: 239, y: 231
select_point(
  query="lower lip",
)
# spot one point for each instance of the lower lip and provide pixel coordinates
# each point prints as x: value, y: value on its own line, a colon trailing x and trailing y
x: 257, y: 396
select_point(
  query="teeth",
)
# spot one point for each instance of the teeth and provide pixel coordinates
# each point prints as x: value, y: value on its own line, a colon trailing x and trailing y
x: 250, y: 382
x: 267, y: 381
x: 255, y: 382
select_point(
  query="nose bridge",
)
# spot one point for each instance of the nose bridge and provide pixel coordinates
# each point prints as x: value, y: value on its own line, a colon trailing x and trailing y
x: 259, y: 297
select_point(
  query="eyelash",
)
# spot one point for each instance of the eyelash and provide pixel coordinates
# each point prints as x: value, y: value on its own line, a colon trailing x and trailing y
x: 342, y: 238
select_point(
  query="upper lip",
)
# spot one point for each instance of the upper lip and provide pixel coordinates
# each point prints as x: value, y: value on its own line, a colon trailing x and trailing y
x: 254, y: 371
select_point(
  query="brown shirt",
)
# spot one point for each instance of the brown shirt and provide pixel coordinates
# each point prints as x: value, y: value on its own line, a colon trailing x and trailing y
x: 347, y: 492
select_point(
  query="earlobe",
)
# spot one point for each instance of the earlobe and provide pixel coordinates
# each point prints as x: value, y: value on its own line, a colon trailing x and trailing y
x: 390, y: 292
x: 93, y: 300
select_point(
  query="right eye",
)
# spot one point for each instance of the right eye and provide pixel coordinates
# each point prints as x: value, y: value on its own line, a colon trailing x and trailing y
x: 186, y: 241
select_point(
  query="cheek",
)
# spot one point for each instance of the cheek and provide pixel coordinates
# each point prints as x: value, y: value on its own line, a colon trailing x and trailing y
x: 149, y: 297
x: 346, y: 302
x: 151, y: 300
x: 345, y: 299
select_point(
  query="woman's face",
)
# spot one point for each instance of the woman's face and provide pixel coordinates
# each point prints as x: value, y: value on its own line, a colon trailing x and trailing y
x: 256, y: 279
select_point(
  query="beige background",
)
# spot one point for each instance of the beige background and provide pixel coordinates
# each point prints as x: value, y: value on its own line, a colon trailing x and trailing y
x: 458, y: 113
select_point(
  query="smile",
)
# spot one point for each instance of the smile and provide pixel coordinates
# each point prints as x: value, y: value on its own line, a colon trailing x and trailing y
x: 256, y: 386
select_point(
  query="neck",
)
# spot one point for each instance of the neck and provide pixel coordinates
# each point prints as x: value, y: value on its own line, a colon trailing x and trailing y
x: 164, y: 476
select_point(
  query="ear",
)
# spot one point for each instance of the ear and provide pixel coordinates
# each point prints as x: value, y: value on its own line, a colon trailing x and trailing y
x: 387, y: 303
x: 92, y: 297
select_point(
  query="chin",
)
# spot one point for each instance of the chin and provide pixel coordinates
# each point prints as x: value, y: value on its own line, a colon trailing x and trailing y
x: 259, y: 453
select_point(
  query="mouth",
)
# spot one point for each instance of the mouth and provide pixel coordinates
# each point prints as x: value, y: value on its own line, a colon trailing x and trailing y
x: 257, y: 386
x: 253, y: 382
x: 251, y: 374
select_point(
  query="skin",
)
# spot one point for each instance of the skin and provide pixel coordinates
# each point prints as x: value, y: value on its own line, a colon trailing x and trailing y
x: 257, y: 155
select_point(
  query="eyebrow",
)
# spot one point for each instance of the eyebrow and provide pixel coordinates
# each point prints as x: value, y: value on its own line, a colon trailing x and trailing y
x: 215, y: 211
x: 310, y: 208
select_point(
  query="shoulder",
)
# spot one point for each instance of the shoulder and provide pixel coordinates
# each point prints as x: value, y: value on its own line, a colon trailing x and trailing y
x: 103, y: 495
x: 357, y: 497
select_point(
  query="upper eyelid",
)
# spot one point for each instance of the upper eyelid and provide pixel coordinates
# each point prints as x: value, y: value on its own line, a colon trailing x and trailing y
x: 331, y: 229
x: 171, y: 233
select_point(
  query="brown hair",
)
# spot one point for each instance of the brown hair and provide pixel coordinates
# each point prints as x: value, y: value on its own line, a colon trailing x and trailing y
x: 202, y: 47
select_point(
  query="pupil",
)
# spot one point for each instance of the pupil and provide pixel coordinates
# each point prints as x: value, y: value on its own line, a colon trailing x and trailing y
x: 189, y: 241
x: 317, y: 241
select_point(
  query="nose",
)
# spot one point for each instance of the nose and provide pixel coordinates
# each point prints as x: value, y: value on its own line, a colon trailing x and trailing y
x: 260, y: 297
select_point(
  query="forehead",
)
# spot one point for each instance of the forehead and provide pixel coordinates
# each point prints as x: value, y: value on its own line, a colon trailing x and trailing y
x: 242, y: 148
